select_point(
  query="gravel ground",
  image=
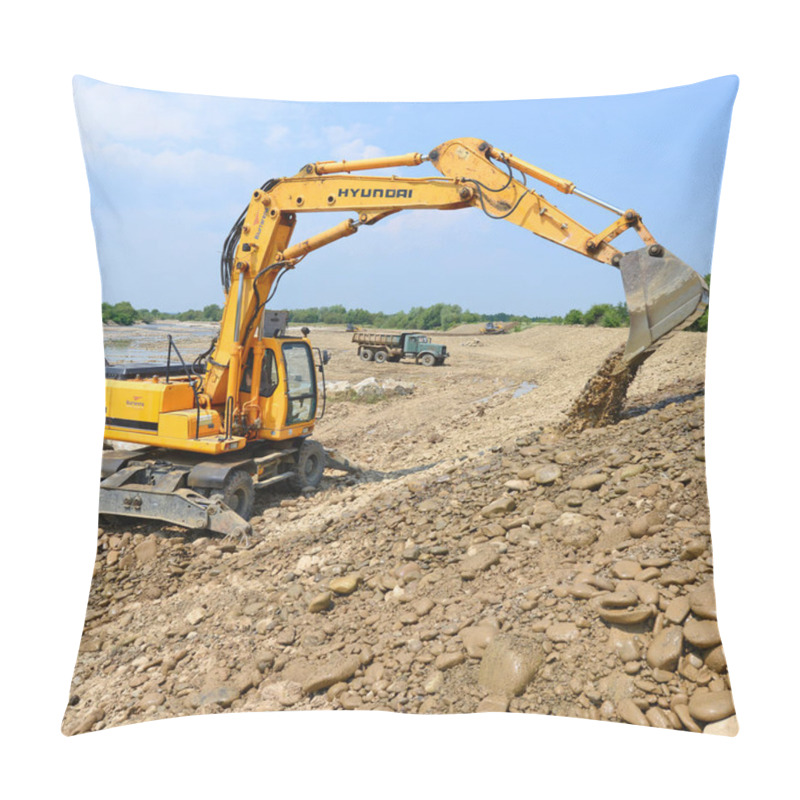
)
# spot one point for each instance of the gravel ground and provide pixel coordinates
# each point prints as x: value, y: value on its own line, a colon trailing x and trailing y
x: 486, y: 559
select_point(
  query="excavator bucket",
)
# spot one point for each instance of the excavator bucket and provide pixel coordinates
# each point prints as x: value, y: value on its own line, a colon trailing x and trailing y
x: 663, y: 294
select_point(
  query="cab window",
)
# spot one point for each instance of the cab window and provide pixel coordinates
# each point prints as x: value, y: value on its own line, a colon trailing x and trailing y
x: 301, y: 385
x: 269, y: 374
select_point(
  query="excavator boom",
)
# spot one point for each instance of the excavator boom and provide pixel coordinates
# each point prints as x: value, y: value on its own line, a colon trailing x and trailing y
x: 662, y: 292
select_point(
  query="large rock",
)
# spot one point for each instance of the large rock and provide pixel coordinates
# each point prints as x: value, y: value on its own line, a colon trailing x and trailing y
x: 703, y: 601
x: 665, y: 649
x: 335, y: 670
x: 509, y: 665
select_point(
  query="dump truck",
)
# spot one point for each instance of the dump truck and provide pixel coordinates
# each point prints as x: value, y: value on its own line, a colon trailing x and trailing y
x: 383, y: 347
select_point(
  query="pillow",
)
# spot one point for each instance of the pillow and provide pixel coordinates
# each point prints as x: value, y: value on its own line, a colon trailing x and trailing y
x: 504, y: 512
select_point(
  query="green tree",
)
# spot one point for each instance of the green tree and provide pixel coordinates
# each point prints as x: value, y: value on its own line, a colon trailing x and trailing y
x: 123, y: 313
x: 573, y: 317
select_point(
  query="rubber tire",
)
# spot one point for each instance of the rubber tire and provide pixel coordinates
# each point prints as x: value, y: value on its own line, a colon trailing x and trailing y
x: 310, y: 465
x: 427, y: 360
x: 238, y: 493
x: 381, y: 356
x: 367, y: 355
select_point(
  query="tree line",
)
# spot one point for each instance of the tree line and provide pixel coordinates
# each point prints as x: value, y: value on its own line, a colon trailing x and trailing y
x: 440, y: 316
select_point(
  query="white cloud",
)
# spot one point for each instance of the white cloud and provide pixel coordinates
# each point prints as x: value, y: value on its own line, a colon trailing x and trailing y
x: 186, y: 167
x: 349, y: 142
x: 117, y: 113
x: 277, y: 135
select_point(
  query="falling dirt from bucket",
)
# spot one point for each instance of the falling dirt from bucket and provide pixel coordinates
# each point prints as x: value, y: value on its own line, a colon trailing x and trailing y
x: 603, y: 398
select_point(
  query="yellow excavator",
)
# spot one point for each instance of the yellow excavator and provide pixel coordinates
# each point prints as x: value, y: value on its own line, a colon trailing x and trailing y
x: 240, y: 417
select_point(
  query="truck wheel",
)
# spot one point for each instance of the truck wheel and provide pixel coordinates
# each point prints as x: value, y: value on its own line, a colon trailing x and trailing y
x: 366, y: 355
x: 427, y: 360
x: 238, y: 493
x: 310, y: 465
x: 381, y: 356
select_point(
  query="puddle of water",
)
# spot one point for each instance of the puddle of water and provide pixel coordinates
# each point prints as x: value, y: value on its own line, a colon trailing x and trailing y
x: 520, y: 391
x: 524, y: 388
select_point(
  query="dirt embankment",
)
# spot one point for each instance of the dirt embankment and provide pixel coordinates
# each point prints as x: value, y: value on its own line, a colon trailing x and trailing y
x: 485, y: 560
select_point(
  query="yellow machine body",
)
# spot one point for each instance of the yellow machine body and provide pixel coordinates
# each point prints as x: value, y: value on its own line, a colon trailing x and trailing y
x: 277, y: 396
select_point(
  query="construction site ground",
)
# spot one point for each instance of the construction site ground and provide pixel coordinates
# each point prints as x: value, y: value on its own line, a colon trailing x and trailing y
x: 484, y: 559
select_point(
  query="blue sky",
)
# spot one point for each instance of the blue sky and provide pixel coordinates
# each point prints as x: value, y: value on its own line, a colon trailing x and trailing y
x: 170, y: 173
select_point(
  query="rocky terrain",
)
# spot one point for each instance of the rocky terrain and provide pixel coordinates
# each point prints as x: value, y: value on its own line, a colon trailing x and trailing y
x: 488, y: 558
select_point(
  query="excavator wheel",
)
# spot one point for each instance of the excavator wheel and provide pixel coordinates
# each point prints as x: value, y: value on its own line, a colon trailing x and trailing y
x: 310, y: 465
x: 238, y: 493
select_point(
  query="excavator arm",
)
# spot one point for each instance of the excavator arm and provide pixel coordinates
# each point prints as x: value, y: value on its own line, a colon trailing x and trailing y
x: 662, y: 292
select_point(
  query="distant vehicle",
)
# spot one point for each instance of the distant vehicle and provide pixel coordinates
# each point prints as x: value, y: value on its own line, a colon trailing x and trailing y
x: 382, y: 347
x: 493, y: 327
x: 353, y: 328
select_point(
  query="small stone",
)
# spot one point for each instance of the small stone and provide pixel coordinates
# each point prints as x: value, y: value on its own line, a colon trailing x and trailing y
x: 503, y: 505
x: 677, y: 610
x: 591, y: 481
x: 630, y: 471
x: 493, y: 703
x: 147, y: 550
x: 350, y: 701
x: 509, y: 664
x: 682, y: 712
x: 434, y: 682
x: 626, y: 570
x: 221, y: 695
x: 197, y: 614
x: 703, y: 601
x: 646, y: 593
x: 724, y: 727
x: 629, y: 712
x: 286, y: 637
x: 665, y: 649
x: 657, y: 718
x: 477, y: 638
x: 715, y: 660
x: 711, y: 706
x: 677, y: 576
x: 88, y: 722
x: 480, y: 561
x: 344, y: 585
x: 151, y: 699
x: 322, y: 602
x: 335, y: 670
x: 583, y: 591
x: 283, y: 693
x: 703, y: 634
x: 423, y: 606
x: 628, y: 650
x: 562, y: 632
x: 547, y: 474
x: 448, y: 660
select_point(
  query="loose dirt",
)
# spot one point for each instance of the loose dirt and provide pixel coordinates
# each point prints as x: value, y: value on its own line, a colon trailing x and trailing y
x: 486, y: 558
